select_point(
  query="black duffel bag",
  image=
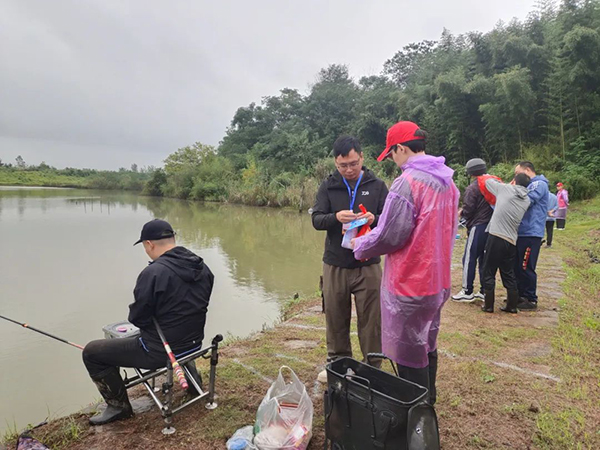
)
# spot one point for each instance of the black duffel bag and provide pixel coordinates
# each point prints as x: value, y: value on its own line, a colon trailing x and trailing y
x: 367, y: 408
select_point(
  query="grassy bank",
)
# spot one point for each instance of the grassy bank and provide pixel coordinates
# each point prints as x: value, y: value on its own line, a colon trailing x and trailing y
x: 530, y: 381
x: 127, y: 180
x: 23, y: 178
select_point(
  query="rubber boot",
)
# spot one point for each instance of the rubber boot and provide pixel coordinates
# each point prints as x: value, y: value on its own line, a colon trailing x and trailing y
x: 418, y: 376
x: 112, y: 388
x: 489, y: 298
x: 433, y: 362
x: 191, y: 366
x: 511, y: 302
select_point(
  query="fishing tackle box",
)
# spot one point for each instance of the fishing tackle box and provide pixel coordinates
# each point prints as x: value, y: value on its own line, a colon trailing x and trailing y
x: 120, y: 330
x: 367, y: 408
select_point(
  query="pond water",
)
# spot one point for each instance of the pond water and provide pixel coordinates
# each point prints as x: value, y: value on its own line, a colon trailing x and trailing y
x: 68, y: 267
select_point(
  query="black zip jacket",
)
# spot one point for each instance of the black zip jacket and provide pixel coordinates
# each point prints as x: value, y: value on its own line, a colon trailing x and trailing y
x: 475, y: 210
x: 175, y: 288
x: 333, y: 197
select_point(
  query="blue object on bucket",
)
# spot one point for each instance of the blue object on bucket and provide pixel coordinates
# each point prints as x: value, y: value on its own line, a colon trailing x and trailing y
x: 458, y: 236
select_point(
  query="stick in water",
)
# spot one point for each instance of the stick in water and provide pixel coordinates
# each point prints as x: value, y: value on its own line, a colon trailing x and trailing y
x: 176, y: 367
x: 25, y: 325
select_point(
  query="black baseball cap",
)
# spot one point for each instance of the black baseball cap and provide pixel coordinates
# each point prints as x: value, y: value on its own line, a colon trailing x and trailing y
x: 155, y: 230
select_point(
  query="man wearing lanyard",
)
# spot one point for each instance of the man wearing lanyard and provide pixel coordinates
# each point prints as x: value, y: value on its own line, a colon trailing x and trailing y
x: 337, y: 204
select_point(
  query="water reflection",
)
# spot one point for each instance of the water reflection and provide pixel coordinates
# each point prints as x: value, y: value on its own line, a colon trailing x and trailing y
x: 68, y: 266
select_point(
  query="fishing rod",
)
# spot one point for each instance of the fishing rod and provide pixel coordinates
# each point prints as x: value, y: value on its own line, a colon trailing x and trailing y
x: 176, y: 367
x: 25, y: 325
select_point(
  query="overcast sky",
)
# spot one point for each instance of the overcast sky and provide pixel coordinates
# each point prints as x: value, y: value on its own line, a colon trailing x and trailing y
x: 107, y: 83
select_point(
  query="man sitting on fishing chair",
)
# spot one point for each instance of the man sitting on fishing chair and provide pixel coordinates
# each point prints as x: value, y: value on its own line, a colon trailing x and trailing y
x: 175, y: 289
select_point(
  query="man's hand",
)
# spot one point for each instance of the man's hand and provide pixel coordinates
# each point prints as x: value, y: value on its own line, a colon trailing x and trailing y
x: 369, y: 216
x: 345, y: 216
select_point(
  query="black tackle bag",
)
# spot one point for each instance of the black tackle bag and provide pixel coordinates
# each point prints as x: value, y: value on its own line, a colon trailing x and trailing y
x: 367, y: 408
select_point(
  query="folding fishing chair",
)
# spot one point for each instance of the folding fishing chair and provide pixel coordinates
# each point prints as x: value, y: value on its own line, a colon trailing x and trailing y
x: 148, y: 377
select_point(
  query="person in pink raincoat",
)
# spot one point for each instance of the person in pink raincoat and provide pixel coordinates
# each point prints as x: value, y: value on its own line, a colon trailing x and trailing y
x: 563, y: 203
x: 416, y: 232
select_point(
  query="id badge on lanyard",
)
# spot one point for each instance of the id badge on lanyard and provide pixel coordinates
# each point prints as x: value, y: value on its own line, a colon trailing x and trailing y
x: 352, y: 195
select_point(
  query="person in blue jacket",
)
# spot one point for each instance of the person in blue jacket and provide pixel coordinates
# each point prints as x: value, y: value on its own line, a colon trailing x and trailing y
x: 531, y: 233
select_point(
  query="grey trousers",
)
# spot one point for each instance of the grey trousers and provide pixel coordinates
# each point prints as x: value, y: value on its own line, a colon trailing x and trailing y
x: 338, y: 286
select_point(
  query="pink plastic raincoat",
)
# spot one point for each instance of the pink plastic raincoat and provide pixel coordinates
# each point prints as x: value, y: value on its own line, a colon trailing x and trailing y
x: 563, y: 203
x: 416, y: 231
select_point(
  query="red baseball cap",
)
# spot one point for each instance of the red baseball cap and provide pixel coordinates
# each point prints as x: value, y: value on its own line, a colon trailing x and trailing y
x: 399, y: 134
x: 559, y: 185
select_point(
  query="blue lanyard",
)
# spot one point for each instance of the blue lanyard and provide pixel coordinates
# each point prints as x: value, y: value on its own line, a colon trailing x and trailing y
x: 351, y: 194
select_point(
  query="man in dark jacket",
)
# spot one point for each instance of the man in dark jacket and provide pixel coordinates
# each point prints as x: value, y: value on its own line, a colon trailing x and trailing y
x: 174, y: 289
x: 337, y: 205
x: 477, y: 213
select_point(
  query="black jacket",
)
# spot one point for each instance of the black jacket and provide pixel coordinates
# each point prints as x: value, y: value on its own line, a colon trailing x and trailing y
x: 475, y: 210
x: 333, y: 197
x: 175, y: 288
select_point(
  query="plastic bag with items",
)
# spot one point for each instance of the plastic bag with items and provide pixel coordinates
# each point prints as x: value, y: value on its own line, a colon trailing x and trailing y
x: 284, y: 418
x: 242, y: 439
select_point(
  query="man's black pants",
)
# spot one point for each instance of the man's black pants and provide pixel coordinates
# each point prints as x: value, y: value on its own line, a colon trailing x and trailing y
x: 499, y: 254
x: 103, y: 354
x: 549, y: 232
x: 528, y: 251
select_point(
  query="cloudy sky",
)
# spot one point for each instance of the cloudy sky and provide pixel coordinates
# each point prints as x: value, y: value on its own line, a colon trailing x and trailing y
x: 108, y: 83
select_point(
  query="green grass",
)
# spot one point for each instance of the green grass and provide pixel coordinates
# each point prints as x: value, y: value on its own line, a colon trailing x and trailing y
x: 23, y: 178
x: 576, y: 345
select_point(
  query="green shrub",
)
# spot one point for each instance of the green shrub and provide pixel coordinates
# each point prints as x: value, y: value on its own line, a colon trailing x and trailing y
x: 578, y: 182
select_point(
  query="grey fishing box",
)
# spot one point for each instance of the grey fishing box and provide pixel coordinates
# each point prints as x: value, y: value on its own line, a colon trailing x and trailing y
x: 120, y: 330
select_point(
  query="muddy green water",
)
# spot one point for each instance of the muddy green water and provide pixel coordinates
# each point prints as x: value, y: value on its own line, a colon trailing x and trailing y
x: 67, y: 266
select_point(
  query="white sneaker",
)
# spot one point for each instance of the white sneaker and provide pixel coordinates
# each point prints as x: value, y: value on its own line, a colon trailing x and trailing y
x: 463, y: 297
x: 479, y: 295
x: 322, y: 377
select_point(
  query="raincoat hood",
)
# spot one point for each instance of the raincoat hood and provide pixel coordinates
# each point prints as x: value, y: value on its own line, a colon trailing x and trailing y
x: 433, y: 165
x: 186, y: 264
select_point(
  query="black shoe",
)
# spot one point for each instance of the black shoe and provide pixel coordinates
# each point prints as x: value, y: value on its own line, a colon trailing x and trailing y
x: 511, y: 303
x: 112, y: 388
x: 111, y: 414
x: 526, y: 305
x: 488, y: 305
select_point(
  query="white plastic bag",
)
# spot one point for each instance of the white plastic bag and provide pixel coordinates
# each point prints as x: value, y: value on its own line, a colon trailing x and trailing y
x: 242, y: 439
x: 284, y: 417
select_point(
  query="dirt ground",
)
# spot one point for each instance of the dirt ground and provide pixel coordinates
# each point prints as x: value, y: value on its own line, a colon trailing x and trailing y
x: 505, y: 381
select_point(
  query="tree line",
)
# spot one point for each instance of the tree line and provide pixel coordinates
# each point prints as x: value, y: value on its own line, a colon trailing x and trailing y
x: 22, y: 174
x: 525, y: 90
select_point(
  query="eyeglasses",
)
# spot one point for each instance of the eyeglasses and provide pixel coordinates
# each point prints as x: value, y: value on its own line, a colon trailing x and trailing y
x: 346, y: 166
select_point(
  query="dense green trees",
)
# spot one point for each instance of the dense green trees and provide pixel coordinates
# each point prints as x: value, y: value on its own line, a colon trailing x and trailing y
x: 525, y: 90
